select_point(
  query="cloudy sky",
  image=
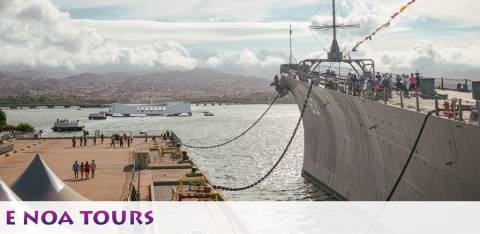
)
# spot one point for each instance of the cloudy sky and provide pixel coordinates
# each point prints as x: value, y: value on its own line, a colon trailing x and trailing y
x: 248, y: 37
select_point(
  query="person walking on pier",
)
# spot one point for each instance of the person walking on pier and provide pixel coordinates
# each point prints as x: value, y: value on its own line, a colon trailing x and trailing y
x: 84, y: 140
x: 75, y: 168
x: 113, y: 142
x: 101, y: 138
x: 121, y: 142
x: 81, y: 141
x: 93, y: 167
x: 74, y: 141
x: 82, y: 170
x: 129, y: 141
x: 95, y: 139
x: 87, y: 170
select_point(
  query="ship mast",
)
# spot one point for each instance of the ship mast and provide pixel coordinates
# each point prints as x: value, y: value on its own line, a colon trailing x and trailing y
x: 335, y: 54
x: 290, y: 44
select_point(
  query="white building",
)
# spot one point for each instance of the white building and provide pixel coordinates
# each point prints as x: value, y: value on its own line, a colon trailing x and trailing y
x: 168, y: 109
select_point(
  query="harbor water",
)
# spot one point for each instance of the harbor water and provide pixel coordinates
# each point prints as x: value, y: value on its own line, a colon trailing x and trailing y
x: 233, y: 165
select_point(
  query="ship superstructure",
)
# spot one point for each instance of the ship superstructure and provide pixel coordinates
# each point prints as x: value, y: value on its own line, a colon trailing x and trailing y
x: 360, y: 126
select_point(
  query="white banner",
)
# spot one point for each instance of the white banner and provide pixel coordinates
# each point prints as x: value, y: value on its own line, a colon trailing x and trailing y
x: 239, y: 217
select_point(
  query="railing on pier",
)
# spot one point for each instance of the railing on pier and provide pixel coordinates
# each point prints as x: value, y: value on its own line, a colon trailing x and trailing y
x: 129, y: 191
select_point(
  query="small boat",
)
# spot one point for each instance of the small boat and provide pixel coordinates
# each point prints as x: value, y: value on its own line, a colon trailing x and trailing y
x: 107, y: 113
x: 97, y: 116
x: 208, y: 113
x: 65, y: 125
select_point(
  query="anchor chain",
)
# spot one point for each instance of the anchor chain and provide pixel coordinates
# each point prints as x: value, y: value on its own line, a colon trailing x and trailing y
x: 280, y: 158
x: 240, y: 135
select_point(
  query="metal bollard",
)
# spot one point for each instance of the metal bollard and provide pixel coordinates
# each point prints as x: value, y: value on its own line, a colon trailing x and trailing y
x: 416, y: 99
x: 385, y: 95
x: 401, y: 98
x: 460, y: 109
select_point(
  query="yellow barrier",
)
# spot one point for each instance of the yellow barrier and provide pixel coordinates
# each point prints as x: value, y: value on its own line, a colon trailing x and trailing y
x: 202, y: 191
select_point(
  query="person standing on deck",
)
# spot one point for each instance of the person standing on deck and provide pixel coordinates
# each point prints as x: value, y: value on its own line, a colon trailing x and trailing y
x: 84, y: 140
x: 93, y: 167
x: 87, y: 170
x: 413, y: 83
x: 82, y: 170
x: 74, y: 141
x: 81, y: 141
x: 407, y: 85
x: 121, y: 142
x: 399, y: 84
x: 101, y: 138
x: 95, y: 140
x: 75, y: 168
x: 129, y: 141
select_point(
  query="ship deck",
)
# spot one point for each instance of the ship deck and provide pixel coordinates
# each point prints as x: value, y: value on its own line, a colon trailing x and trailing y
x: 409, y: 101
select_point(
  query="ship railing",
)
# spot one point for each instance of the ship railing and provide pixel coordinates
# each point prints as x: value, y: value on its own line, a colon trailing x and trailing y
x: 413, y: 99
x: 462, y: 85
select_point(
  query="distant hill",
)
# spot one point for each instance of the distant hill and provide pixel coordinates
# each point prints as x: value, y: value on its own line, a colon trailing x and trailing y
x: 193, y: 85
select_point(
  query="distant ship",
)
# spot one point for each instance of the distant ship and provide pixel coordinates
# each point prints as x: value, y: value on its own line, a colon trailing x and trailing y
x: 97, y: 116
x: 355, y: 147
x: 68, y: 126
x: 165, y: 109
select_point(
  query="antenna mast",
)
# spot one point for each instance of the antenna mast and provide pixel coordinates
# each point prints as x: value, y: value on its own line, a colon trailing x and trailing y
x: 290, y: 44
x: 334, y: 54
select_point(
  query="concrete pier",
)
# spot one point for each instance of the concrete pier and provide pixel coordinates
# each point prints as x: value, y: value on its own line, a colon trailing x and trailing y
x: 114, y: 167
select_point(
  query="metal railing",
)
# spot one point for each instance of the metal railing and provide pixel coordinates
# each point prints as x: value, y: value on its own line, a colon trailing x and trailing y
x: 389, y: 93
x: 463, y: 85
x: 129, y: 193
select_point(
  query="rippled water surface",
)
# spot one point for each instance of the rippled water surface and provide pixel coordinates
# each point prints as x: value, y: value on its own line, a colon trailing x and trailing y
x: 236, y: 164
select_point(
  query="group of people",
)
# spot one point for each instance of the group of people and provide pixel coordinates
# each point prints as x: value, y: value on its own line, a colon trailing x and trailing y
x: 121, y: 140
x: 406, y: 83
x: 84, y: 170
x: 381, y: 85
x: 84, y: 138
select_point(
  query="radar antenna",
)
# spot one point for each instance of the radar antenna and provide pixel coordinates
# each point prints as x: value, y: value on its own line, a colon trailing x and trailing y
x: 335, y: 53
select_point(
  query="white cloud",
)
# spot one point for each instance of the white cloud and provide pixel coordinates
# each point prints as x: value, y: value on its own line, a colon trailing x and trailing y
x: 225, y: 10
x: 264, y: 63
x: 430, y: 59
x: 36, y: 34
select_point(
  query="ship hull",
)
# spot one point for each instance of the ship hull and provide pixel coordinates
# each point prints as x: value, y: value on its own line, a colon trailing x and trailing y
x: 355, y: 149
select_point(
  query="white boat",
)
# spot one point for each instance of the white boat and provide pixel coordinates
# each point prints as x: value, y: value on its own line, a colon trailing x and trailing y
x: 65, y: 125
x: 166, y: 109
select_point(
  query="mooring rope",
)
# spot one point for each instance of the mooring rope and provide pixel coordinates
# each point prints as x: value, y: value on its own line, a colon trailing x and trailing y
x: 281, y: 156
x: 407, y: 163
x: 240, y: 135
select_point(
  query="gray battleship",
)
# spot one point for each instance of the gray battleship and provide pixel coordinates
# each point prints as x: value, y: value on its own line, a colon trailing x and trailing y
x: 356, y: 146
